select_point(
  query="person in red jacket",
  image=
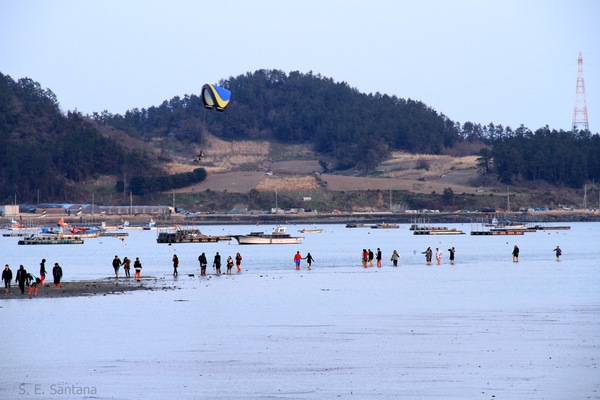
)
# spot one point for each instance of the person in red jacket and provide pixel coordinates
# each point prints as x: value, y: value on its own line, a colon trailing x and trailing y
x: 297, y: 259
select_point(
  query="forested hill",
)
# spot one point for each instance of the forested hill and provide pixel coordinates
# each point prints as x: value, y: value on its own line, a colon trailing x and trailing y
x: 46, y: 153
x: 359, y: 130
x: 355, y: 129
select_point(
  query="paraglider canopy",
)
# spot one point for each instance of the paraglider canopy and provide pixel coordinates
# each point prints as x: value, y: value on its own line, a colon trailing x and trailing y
x: 215, y: 97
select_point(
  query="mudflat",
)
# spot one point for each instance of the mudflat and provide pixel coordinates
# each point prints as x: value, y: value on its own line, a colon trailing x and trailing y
x: 96, y: 287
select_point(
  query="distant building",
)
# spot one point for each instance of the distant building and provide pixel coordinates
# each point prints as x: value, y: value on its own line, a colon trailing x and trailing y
x: 9, y: 211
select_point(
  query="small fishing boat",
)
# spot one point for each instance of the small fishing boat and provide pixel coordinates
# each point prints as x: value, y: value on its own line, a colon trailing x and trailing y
x: 20, y: 226
x: 151, y: 225
x: 72, y: 233
x: 314, y: 230
x: 278, y: 236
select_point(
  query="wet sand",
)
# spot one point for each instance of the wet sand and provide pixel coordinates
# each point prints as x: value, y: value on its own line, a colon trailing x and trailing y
x: 88, y: 288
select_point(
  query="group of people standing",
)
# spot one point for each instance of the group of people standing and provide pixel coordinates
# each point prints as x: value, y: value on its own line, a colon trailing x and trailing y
x: 203, y: 261
x: 137, y: 265
x: 438, y: 255
x: 126, y: 264
x: 24, y: 278
x: 368, y: 256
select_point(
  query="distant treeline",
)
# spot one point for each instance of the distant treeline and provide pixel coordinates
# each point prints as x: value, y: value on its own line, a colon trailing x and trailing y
x: 558, y: 157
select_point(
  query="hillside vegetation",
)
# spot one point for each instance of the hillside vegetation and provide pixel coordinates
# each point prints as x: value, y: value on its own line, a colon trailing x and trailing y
x: 293, y: 132
x: 46, y: 154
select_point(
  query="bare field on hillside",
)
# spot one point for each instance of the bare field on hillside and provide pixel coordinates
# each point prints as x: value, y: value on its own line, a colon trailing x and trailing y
x: 288, y: 183
x: 241, y: 166
x: 224, y: 155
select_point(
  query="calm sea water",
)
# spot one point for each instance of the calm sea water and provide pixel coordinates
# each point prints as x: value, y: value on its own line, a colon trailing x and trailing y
x: 337, y: 247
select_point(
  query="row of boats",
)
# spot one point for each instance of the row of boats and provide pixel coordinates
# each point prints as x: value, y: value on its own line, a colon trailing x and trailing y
x: 277, y: 236
x: 174, y: 234
x: 65, y: 234
x: 486, y: 229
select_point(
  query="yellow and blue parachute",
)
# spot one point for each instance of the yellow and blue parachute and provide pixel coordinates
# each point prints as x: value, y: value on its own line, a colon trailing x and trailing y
x: 215, y: 97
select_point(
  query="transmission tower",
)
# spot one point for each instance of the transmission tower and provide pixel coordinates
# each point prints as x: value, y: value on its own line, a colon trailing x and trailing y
x: 580, y: 116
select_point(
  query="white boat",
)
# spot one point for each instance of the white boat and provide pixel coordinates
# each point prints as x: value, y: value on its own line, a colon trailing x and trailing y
x: 313, y: 230
x: 64, y: 231
x: 151, y: 225
x: 278, y: 236
x: 20, y: 226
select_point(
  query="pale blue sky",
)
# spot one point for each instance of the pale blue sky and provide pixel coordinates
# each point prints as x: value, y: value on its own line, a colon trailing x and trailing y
x: 508, y: 62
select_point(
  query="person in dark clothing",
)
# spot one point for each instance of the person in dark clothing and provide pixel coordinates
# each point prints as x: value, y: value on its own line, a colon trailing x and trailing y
x: 203, y: 262
x: 7, y: 276
x: 137, y: 265
x: 127, y: 266
x: 428, y: 255
x: 238, y: 262
x: 175, y: 265
x: 451, y: 251
x: 217, y: 263
x: 378, y: 257
x: 309, y: 259
x: 57, y: 274
x: 371, y: 256
x: 21, y: 278
x: 116, y: 263
x: 515, y: 254
x: 558, y: 252
x: 42, y: 272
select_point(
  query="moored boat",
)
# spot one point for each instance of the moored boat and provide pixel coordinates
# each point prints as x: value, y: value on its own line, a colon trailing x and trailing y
x: 540, y: 227
x: 356, y: 225
x: 434, y: 230
x: 188, y: 236
x: 73, y: 233
x: 278, y: 236
x: 113, y: 234
x: 385, y: 226
x: 497, y: 232
x: 33, y: 240
x: 315, y: 230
